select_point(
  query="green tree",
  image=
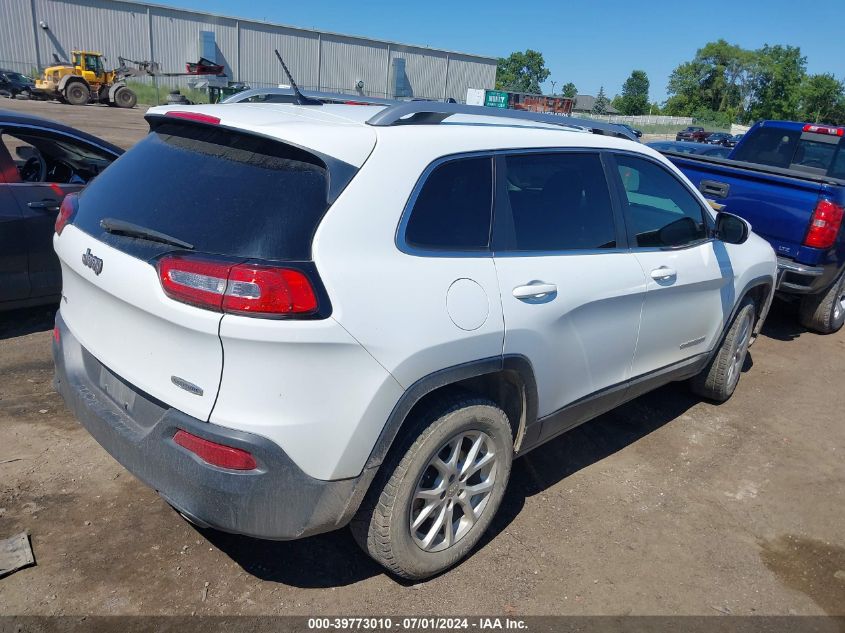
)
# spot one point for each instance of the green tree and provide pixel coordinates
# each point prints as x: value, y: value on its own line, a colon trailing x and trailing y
x: 776, y: 83
x: 616, y: 102
x: 634, y: 99
x: 601, y: 103
x: 717, y: 79
x: 569, y: 90
x: 822, y: 98
x: 522, y: 72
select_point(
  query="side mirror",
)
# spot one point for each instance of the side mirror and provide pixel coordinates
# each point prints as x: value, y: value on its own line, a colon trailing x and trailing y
x: 731, y: 228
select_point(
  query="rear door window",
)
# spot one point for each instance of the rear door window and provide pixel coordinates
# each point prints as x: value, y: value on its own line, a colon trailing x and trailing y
x: 559, y: 202
x: 224, y: 192
x: 454, y: 207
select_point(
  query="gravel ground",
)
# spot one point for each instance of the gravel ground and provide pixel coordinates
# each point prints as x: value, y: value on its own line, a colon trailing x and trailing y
x: 665, y: 506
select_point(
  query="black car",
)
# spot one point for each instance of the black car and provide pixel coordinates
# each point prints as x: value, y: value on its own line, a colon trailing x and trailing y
x: 685, y: 147
x: 732, y: 141
x: 40, y: 162
x: 13, y: 84
x: 717, y: 138
x: 633, y: 131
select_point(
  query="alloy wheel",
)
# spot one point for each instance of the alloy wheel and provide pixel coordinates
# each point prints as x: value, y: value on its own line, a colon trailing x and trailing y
x: 453, y: 491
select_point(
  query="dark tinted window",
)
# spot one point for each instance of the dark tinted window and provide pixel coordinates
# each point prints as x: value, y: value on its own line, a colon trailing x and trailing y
x: 838, y: 169
x: 559, y: 202
x: 225, y: 193
x: 769, y: 146
x: 454, y: 207
x: 814, y: 156
x: 662, y: 211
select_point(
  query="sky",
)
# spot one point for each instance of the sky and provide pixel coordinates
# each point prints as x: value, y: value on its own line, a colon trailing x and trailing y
x: 591, y: 44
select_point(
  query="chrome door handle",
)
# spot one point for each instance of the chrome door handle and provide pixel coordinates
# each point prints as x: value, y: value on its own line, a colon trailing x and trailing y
x: 663, y: 273
x: 47, y: 204
x: 531, y: 291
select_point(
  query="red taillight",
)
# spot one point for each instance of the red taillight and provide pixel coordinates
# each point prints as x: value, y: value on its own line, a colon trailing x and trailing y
x: 66, y: 212
x: 268, y: 290
x: 824, y: 225
x: 235, y: 288
x: 824, y: 129
x: 196, y: 281
x: 194, y: 116
x: 214, y: 453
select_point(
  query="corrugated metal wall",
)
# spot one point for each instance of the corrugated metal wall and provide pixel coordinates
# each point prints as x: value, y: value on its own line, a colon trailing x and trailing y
x: 136, y: 30
x: 17, y: 44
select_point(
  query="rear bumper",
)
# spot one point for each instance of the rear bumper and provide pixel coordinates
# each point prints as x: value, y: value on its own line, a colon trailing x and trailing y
x: 801, y: 279
x: 274, y: 501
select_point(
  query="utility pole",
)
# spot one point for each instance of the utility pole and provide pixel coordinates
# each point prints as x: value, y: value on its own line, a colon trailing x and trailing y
x: 553, y: 87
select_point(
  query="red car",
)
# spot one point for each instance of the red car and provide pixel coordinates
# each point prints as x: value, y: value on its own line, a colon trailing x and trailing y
x: 692, y: 133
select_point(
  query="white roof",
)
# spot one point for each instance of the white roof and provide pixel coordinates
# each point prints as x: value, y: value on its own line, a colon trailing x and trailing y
x: 340, y: 130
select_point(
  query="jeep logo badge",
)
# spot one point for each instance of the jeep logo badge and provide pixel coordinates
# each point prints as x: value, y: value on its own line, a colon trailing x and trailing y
x: 92, y: 261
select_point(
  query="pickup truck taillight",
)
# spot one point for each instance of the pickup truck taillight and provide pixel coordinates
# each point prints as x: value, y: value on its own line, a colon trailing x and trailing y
x: 824, y: 225
x: 237, y: 288
x: 824, y: 129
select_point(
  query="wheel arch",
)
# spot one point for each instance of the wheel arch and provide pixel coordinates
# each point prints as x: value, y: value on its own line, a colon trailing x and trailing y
x: 68, y: 79
x: 114, y: 88
x: 508, y: 381
x: 760, y: 289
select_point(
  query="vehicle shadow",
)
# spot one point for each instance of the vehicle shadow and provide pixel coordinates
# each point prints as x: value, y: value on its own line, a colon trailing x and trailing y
x: 782, y: 323
x: 588, y: 444
x: 331, y: 560
x: 27, y: 321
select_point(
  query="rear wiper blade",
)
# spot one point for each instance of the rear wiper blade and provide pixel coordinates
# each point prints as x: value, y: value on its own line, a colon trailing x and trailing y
x: 121, y: 227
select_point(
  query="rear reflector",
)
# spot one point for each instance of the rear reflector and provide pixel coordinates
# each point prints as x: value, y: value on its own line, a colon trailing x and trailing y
x: 237, y: 288
x: 825, y: 129
x: 214, y: 453
x: 56, y: 334
x: 824, y: 225
x: 194, y: 116
x: 66, y: 212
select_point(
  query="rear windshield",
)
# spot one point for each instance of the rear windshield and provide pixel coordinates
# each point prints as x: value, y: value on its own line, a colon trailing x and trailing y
x: 222, y: 192
x: 792, y: 149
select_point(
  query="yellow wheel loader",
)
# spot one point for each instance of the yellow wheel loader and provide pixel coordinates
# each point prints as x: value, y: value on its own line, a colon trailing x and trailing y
x: 85, y: 80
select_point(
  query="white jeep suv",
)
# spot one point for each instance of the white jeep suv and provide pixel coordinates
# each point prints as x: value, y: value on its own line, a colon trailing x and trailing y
x: 287, y: 318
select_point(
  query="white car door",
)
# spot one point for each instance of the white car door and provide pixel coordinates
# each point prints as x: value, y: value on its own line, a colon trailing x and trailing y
x: 690, y: 280
x: 571, y: 292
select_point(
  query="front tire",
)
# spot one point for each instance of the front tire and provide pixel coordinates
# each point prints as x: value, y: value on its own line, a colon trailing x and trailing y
x: 77, y: 93
x: 718, y: 380
x: 438, y: 491
x: 825, y: 313
x: 125, y: 98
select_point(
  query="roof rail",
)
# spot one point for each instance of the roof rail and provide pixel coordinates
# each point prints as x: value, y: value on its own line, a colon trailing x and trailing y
x: 431, y: 112
x: 286, y: 95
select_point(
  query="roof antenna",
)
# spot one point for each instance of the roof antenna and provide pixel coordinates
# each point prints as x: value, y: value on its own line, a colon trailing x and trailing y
x: 301, y: 99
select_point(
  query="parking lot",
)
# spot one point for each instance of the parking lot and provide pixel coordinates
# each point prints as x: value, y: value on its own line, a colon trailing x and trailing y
x: 665, y: 506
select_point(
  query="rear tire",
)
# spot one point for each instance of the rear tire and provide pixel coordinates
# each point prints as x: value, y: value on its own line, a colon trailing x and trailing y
x: 77, y: 93
x: 125, y: 98
x: 824, y: 313
x: 719, y: 379
x: 438, y: 491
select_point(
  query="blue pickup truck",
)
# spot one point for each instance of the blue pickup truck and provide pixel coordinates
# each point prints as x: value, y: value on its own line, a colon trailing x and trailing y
x: 788, y: 180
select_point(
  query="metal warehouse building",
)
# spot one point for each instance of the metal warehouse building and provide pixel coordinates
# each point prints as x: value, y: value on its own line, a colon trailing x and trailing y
x: 31, y: 31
